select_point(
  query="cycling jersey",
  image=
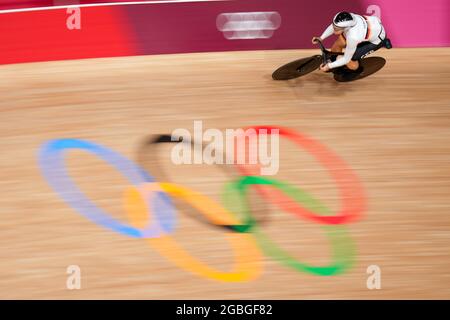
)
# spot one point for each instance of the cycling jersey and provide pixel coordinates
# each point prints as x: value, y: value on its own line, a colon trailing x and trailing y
x: 367, y: 29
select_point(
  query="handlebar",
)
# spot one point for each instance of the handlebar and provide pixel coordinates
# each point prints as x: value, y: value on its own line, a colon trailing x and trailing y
x: 326, y: 53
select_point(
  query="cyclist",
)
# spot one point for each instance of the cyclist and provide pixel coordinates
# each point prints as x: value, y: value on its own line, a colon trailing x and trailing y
x: 359, y: 36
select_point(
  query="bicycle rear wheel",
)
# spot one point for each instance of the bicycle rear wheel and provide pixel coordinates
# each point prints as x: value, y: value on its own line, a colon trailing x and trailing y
x: 370, y: 66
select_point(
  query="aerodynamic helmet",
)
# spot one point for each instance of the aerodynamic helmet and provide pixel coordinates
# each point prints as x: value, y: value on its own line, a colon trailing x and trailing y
x: 344, y: 20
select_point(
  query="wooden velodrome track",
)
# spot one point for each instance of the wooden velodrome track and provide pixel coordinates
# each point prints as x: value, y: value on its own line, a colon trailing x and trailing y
x: 392, y: 129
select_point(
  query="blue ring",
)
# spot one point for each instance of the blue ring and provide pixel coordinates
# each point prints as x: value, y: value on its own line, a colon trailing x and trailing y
x: 51, y: 161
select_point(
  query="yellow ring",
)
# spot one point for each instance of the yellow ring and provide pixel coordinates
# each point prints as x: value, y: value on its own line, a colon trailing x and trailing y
x: 248, y: 257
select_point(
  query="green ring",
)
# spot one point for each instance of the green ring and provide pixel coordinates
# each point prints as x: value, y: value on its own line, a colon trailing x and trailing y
x: 343, y: 247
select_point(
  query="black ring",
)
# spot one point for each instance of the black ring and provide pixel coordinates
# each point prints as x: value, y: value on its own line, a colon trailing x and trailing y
x: 152, y: 166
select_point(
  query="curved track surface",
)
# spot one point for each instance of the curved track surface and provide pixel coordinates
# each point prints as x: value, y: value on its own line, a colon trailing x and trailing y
x: 392, y: 129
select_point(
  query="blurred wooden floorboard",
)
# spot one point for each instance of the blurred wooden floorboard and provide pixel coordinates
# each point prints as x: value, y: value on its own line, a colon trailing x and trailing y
x: 392, y: 128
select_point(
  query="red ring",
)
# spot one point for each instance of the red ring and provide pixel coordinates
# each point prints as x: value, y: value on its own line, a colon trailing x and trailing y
x: 352, y: 195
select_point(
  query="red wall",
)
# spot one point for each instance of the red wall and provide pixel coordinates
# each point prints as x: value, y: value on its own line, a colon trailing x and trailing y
x: 179, y: 27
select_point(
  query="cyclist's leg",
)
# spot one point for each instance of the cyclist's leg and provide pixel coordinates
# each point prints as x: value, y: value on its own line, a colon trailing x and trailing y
x: 339, y: 45
x: 353, y: 65
x: 362, y: 51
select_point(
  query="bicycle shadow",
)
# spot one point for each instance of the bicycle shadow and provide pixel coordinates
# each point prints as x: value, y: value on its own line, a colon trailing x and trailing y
x: 312, y: 85
x: 327, y: 85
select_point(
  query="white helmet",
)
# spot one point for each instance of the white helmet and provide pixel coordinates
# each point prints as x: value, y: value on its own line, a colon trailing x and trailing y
x: 344, y: 20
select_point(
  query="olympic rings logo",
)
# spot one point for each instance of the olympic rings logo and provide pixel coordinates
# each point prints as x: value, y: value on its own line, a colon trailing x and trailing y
x: 152, y: 215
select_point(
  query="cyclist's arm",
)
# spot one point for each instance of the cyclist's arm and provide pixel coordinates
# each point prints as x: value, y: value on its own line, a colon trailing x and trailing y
x: 349, y: 52
x: 328, y: 32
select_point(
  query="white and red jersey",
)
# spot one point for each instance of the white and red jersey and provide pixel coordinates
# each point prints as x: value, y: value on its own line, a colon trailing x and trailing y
x: 367, y: 28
